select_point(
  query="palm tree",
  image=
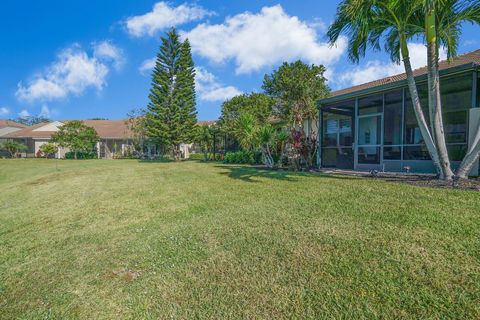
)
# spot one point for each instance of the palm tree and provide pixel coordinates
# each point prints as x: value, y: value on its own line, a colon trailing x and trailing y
x: 367, y: 23
x: 443, y: 20
x: 246, y: 131
x: 266, y: 139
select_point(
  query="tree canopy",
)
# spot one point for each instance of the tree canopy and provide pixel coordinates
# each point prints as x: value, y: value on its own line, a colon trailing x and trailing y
x: 76, y: 136
x: 258, y: 105
x: 296, y: 88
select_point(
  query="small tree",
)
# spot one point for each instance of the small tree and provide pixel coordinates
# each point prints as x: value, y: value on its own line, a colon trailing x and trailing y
x: 246, y: 131
x: 76, y: 136
x: 136, y: 125
x: 49, y: 149
x: 13, y: 147
x: 267, y: 140
x: 204, y: 138
x: 297, y: 87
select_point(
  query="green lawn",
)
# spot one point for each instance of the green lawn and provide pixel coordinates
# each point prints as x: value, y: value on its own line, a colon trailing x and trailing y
x: 131, y: 240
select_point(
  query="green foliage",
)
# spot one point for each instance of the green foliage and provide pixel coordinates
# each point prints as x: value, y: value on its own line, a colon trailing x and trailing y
x: 257, y: 104
x: 76, y: 136
x: 48, y: 149
x: 243, y: 157
x: 246, y: 131
x: 171, y: 113
x: 137, y: 125
x: 209, y: 156
x: 204, y: 138
x: 296, y: 88
x: 81, y: 155
x: 13, y: 147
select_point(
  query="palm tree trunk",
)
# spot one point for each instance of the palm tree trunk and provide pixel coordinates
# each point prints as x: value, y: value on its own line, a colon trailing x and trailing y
x: 470, y: 158
x: 434, y: 96
x: 422, y: 123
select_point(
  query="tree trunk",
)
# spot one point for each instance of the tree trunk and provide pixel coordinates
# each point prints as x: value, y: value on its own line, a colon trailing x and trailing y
x: 470, y: 158
x: 75, y: 155
x: 422, y: 124
x: 434, y: 96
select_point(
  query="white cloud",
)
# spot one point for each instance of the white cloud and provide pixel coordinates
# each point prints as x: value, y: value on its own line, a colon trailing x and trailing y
x: 4, y: 111
x: 105, y: 50
x: 24, y: 114
x: 147, y: 65
x: 269, y: 37
x: 470, y: 42
x: 375, y: 69
x: 46, y: 112
x: 164, y: 16
x: 210, y: 89
x: 72, y: 73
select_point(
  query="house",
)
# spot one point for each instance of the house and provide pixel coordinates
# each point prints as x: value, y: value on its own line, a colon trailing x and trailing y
x: 7, y: 127
x: 373, y: 125
x: 115, y: 137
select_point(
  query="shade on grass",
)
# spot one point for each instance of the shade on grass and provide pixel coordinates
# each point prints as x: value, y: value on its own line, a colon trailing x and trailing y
x: 126, y: 239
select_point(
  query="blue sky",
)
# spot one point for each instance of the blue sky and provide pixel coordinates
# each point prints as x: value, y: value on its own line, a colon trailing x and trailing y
x: 86, y: 59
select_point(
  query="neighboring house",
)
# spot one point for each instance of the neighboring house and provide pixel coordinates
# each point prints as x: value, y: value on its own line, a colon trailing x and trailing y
x: 373, y: 125
x: 7, y: 127
x: 115, y: 137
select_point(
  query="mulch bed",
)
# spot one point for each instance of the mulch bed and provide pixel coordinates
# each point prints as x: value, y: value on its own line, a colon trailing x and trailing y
x: 421, y: 180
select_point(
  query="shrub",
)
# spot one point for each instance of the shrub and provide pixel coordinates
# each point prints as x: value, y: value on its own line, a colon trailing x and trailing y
x: 81, y: 155
x: 13, y: 147
x: 243, y: 157
x: 47, y: 150
x: 201, y: 156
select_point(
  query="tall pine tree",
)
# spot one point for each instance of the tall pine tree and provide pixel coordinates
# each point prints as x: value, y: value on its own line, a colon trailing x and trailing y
x: 171, y: 114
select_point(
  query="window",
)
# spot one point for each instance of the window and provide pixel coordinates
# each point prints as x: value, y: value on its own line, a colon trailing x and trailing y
x: 412, y: 131
x: 393, y: 118
x: 392, y: 153
x: 456, y: 100
x: 369, y: 155
x: 345, y: 131
x: 330, y: 131
x: 338, y: 135
x: 456, y: 152
x: 372, y: 104
x: 416, y: 153
x: 456, y: 92
x: 456, y: 126
x: 370, y: 130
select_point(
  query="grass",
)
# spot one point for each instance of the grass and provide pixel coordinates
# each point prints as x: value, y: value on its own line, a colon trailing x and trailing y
x: 138, y: 240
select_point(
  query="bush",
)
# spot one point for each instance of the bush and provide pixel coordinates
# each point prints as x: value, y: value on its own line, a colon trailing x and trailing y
x: 243, y: 157
x: 201, y: 157
x: 83, y: 155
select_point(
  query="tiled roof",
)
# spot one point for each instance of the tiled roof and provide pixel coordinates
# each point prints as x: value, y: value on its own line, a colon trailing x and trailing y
x: 113, y: 129
x: 470, y: 58
x: 10, y: 123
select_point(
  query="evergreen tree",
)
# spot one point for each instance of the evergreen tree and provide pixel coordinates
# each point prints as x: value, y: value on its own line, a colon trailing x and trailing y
x: 171, y: 114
